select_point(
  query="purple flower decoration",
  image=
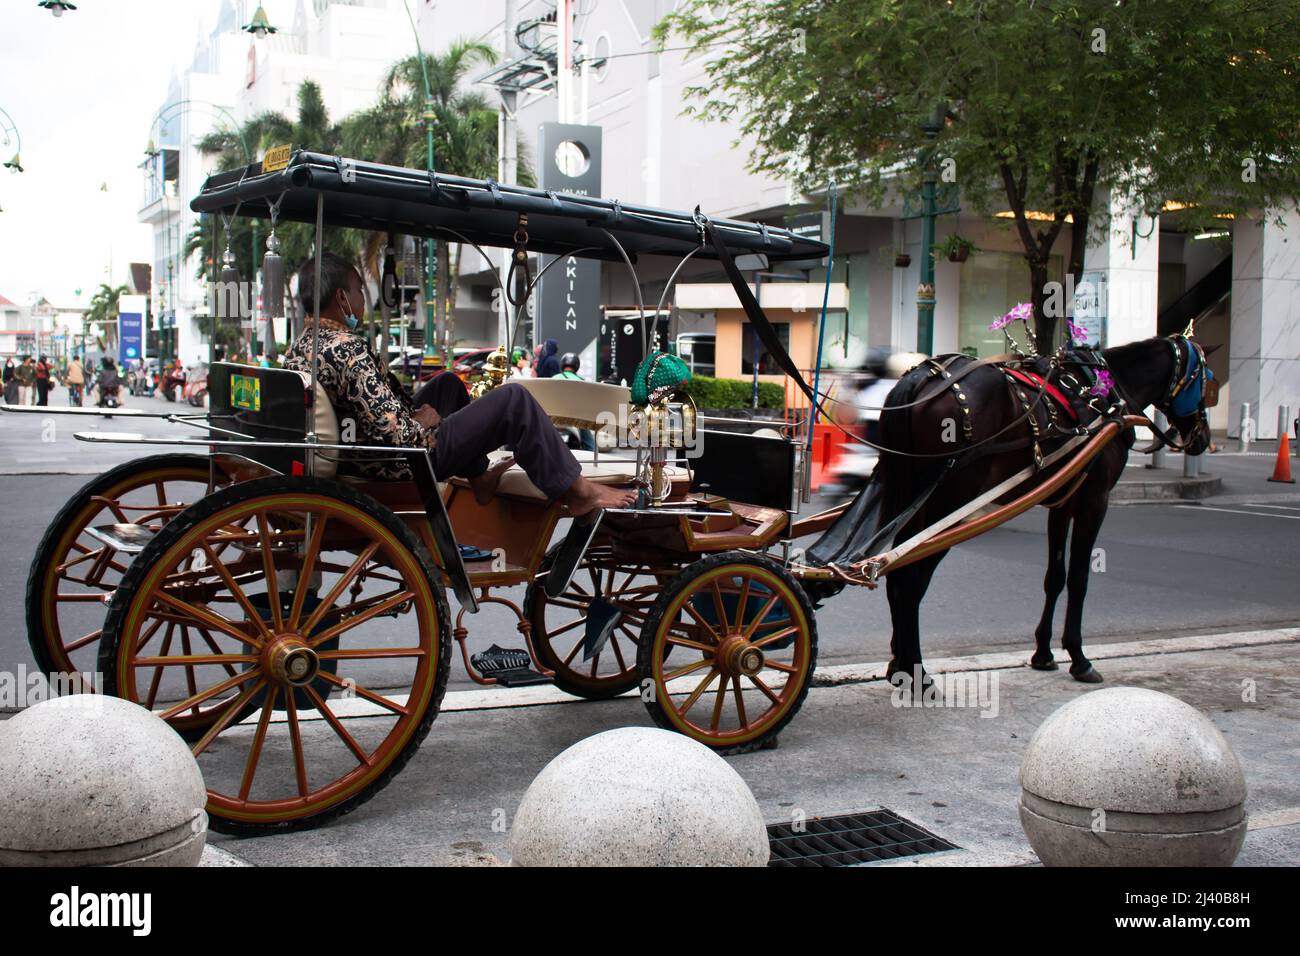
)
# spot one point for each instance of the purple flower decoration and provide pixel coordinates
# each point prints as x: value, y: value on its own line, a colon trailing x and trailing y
x: 1077, y: 332
x: 1020, y: 313
x: 1104, y: 384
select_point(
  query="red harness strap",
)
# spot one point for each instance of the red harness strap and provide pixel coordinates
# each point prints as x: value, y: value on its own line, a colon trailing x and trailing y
x: 1036, y: 382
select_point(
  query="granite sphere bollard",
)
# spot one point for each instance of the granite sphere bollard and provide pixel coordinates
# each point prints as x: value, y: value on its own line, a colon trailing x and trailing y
x: 1132, y: 777
x: 89, y: 780
x: 638, y: 797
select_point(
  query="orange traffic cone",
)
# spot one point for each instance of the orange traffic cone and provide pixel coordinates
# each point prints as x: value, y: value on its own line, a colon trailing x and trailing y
x: 1282, y: 470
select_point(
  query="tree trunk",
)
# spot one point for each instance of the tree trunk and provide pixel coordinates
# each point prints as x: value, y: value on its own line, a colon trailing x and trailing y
x: 1044, y: 325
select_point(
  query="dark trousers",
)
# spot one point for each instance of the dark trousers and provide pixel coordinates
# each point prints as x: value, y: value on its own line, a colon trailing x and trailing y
x: 507, y: 415
x: 445, y: 393
x: 42, y: 391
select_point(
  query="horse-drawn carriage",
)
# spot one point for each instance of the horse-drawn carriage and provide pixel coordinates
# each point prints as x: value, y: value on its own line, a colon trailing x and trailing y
x: 291, y: 621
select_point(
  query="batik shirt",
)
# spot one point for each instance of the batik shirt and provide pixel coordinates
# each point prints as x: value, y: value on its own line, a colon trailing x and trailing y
x: 360, y: 389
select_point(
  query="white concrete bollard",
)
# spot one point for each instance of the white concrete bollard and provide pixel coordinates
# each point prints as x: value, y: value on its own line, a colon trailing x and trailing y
x: 638, y: 797
x: 1132, y: 777
x: 88, y: 780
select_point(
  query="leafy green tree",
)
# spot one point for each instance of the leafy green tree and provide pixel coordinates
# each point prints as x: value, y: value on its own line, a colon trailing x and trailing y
x: 103, y: 310
x: 464, y: 139
x: 311, y: 129
x: 1043, y: 107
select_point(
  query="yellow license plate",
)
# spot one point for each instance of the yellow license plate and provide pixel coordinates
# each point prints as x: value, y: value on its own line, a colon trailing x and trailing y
x: 277, y: 157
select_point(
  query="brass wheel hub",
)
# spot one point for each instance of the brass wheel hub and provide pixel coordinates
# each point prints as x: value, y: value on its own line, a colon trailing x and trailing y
x: 289, y: 660
x: 738, y: 656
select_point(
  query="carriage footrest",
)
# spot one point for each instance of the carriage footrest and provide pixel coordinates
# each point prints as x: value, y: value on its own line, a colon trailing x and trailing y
x: 127, y: 538
x: 512, y: 667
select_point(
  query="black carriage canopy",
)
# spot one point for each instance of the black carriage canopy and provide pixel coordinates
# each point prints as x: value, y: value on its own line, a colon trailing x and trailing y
x: 375, y: 197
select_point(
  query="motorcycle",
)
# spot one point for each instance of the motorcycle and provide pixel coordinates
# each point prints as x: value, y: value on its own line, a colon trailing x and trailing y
x: 173, y: 379
x: 108, y: 397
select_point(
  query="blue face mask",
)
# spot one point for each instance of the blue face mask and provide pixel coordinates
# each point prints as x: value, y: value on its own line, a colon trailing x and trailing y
x: 350, y: 320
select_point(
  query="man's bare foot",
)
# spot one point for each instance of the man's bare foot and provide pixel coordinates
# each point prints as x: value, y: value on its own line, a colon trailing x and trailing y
x: 585, y: 496
x: 484, y: 486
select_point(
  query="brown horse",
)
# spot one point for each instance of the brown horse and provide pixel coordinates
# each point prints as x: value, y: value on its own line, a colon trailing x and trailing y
x: 976, y: 426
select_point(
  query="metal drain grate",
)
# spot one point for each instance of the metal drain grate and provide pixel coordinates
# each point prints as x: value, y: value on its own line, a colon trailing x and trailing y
x: 849, y: 839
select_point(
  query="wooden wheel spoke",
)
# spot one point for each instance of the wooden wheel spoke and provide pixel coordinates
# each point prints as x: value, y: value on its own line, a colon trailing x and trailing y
x: 618, y: 654
x: 81, y: 642
x: 241, y: 678
x: 571, y: 605
x: 365, y: 694
x: 700, y: 689
x: 228, y: 714
x: 187, y: 651
x: 693, y: 645
x: 157, y: 671
x: 214, y: 646
x: 719, y: 608
x: 771, y: 694
x: 360, y: 618
x: 763, y: 642
x: 339, y: 587
x: 241, y: 598
x: 690, y: 609
x: 688, y: 669
x: 268, y: 570
x: 783, y: 668
x: 767, y: 606
x: 259, y: 738
x: 371, y: 653
x: 195, y: 660
x: 308, y: 566
x: 213, y: 621
x: 742, y: 603
x: 719, y: 700
x: 740, y: 702
x: 295, y: 742
x: 556, y: 632
x: 324, y: 710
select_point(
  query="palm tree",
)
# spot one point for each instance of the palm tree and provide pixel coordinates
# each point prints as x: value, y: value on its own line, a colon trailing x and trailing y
x: 464, y: 140
x: 310, y: 130
x: 103, y: 310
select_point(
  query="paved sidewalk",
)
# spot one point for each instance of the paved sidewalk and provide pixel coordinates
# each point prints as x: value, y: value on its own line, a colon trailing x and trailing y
x: 950, y: 770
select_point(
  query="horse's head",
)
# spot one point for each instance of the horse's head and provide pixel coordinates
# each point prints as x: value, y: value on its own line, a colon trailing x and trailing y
x: 1191, y: 390
x: 1170, y: 373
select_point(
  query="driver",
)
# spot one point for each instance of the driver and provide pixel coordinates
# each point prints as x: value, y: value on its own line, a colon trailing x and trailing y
x: 361, y: 389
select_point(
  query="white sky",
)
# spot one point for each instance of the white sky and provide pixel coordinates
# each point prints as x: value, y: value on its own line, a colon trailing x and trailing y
x: 81, y: 90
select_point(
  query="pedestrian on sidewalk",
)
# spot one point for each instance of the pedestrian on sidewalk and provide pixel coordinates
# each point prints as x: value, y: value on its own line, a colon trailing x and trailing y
x: 43, y: 381
x: 26, y: 375
x: 10, y: 381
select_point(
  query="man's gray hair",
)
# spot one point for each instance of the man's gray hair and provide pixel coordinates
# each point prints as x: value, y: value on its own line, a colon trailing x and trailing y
x: 334, y: 272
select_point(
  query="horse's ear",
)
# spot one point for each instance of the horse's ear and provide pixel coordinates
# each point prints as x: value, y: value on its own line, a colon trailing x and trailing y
x: 1211, y: 349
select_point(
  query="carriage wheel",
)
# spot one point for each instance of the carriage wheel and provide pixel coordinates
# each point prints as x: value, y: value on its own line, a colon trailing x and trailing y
x: 623, y: 594
x: 750, y: 643
x: 309, y: 604
x: 74, y: 574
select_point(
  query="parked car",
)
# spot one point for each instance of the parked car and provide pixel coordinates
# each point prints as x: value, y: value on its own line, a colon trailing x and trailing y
x: 470, y: 364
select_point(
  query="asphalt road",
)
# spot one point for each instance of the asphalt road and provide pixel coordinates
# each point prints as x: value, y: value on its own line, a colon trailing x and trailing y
x: 1228, y: 562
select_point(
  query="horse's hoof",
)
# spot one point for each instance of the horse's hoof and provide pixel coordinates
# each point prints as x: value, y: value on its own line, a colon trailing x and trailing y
x: 1047, y: 665
x: 1090, y: 676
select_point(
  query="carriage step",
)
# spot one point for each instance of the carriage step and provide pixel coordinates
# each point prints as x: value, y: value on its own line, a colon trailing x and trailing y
x: 127, y: 538
x: 511, y: 667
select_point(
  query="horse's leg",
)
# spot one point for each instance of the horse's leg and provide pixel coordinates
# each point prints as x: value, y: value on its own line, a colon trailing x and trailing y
x: 1058, y: 528
x: 1088, y: 516
x: 906, y: 588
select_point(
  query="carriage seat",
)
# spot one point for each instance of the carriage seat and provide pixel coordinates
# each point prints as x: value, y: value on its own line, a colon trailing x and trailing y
x: 578, y: 404
x: 326, y: 426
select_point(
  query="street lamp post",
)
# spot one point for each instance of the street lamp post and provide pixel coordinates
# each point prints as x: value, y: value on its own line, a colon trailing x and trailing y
x: 932, y: 126
x: 9, y: 130
x: 431, y: 244
x: 181, y: 107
